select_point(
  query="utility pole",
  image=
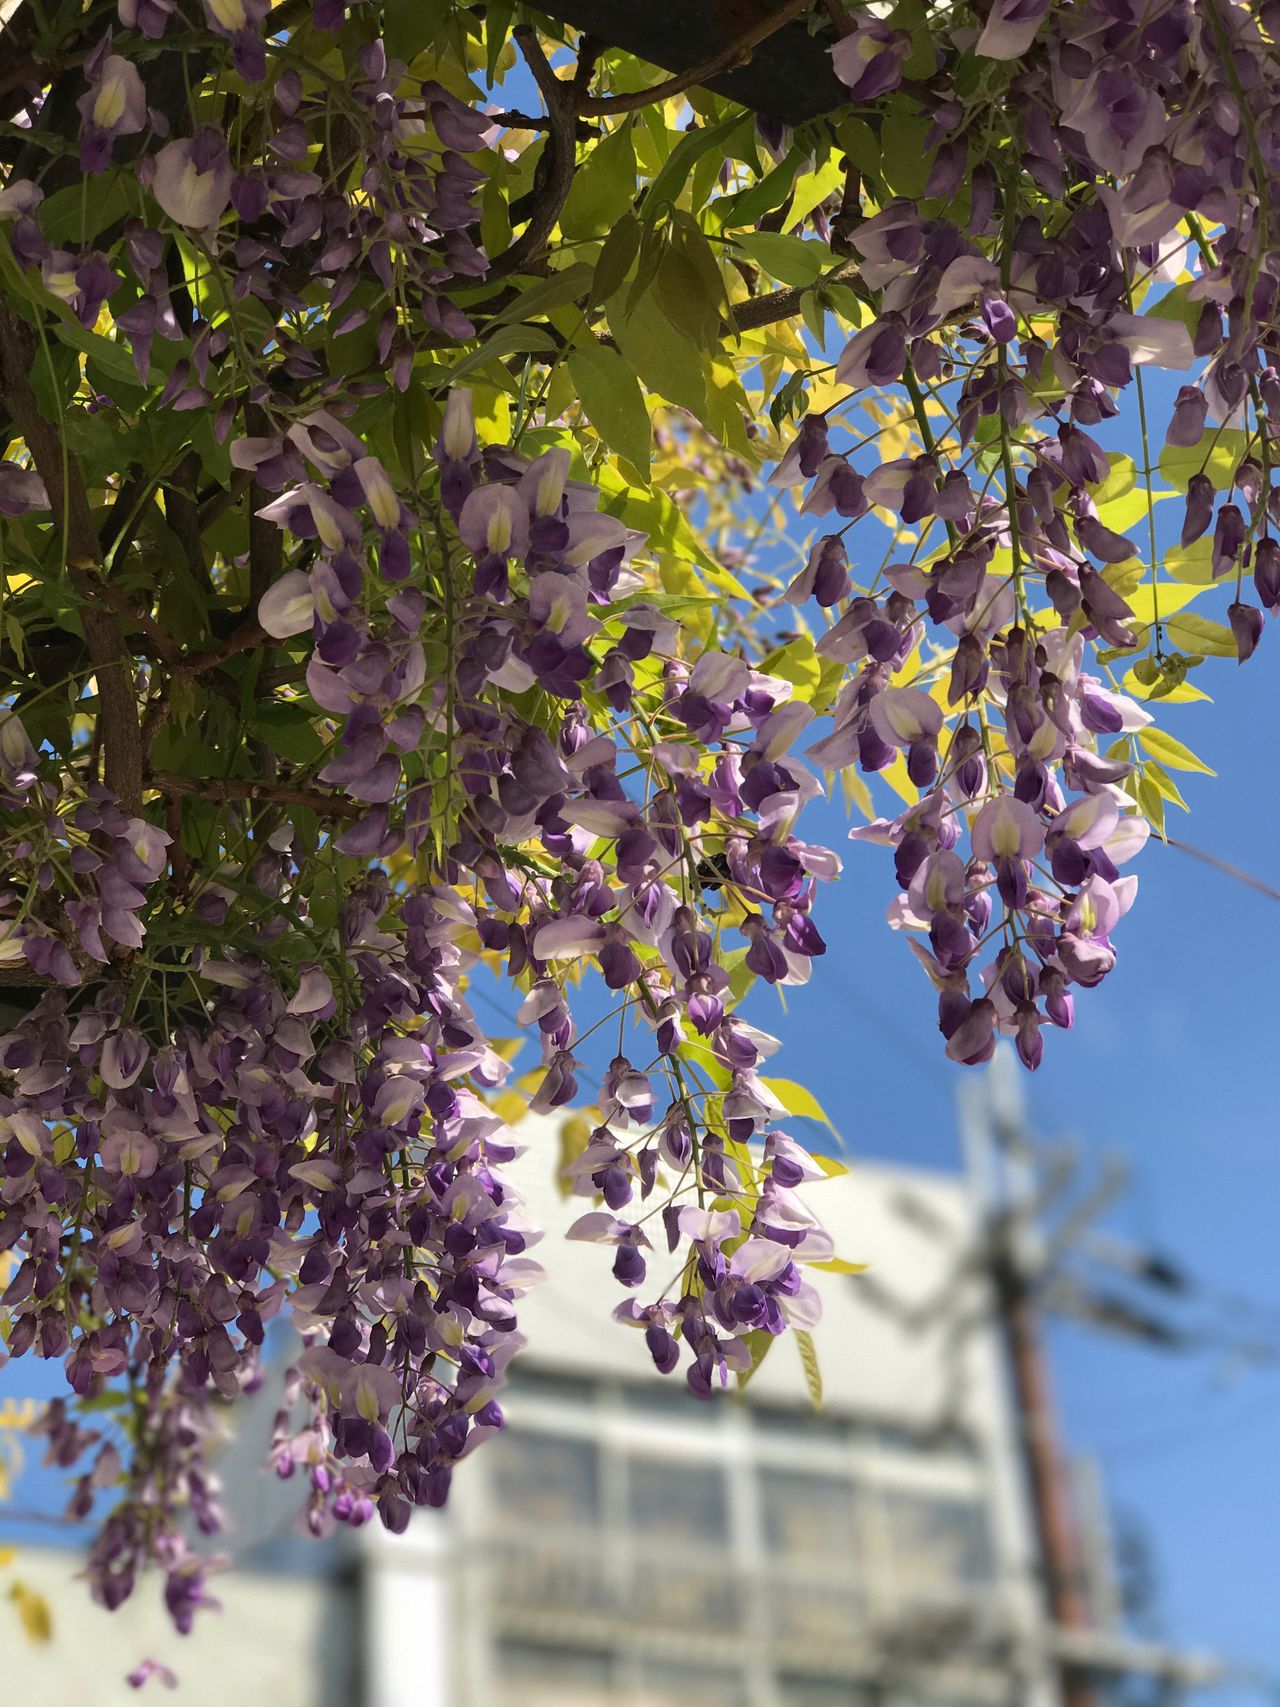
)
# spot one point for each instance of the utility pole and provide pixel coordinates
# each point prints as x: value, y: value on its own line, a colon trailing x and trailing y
x: 997, y: 1146
x: 1033, y: 1223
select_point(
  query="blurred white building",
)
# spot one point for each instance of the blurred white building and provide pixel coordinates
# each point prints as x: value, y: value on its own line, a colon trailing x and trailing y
x: 623, y: 1545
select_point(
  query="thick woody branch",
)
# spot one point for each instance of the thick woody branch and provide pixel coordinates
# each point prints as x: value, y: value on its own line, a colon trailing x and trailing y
x: 241, y: 639
x: 73, y: 521
x: 735, y: 53
x: 554, y: 173
x: 782, y: 304
x: 228, y: 789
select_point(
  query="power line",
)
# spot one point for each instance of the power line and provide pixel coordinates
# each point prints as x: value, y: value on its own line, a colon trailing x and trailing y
x: 1229, y: 870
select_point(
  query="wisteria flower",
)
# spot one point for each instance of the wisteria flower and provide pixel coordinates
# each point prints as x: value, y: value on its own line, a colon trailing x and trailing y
x: 192, y: 179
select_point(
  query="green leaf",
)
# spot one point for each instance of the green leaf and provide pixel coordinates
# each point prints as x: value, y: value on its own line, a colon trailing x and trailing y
x: 1176, y: 305
x: 814, y: 314
x: 568, y: 285
x: 1191, y: 633
x: 688, y: 241
x: 506, y: 341
x: 71, y: 216
x: 682, y: 295
x: 746, y: 207
x: 604, y: 186
x: 614, y: 403
x: 54, y: 390
x: 1170, y: 752
x: 759, y: 1344
x: 411, y: 25
x: 1217, y: 454
x: 497, y: 24
x: 842, y: 300
x: 838, y: 1265
x: 809, y: 1361
x: 620, y: 249
x: 667, y: 362
x: 904, y: 160
x: 797, y: 1100
x: 1181, y: 694
x: 912, y: 16
x: 859, y: 142
x: 796, y: 261
x: 667, y: 184
x: 111, y: 358
x: 289, y: 731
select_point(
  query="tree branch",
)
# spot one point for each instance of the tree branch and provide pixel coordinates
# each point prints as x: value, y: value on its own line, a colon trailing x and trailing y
x: 228, y: 789
x: 782, y: 304
x: 241, y: 639
x: 554, y: 173
x: 736, y: 53
x: 69, y: 503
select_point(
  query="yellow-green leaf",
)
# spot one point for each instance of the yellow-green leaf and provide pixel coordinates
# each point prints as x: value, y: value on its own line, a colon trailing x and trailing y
x: 795, y: 260
x: 604, y: 186
x: 797, y: 1100
x: 1151, y: 603
x: 614, y: 403
x: 1122, y: 477
x: 1217, y: 454
x: 895, y: 774
x: 1172, y: 753
x: 759, y: 1344
x: 1164, y: 783
x: 665, y: 360
x: 1152, y: 803
x: 1183, y: 694
x: 1191, y: 563
x: 797, y: 663
x: 809, y: 1359
x: 33, y: 1613
x: 856, y: 793
x: 1191, y: 633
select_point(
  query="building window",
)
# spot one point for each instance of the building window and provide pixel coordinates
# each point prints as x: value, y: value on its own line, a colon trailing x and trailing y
x: 939, y: 1548
x: 822, y: 1692
x: 677, y: 1543
x: 618, y: 1540
x: 533, y: 1674
x: 663, y: 1685
x: 545, y: 1483
x: 680, y: 1506
x: 808, y: 1519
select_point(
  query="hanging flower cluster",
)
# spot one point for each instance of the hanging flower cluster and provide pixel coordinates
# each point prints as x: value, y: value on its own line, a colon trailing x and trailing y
x: 360, y: 643
x: 1005, y: 730
x: 322, y: 1139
